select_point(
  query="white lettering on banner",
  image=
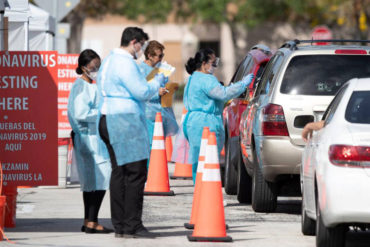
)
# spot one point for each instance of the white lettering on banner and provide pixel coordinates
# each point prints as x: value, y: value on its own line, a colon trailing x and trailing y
x: 27, y: 60
x: 22, y: 177
x: 65, y: 86
x: 67, y: 73
x: 15, y: 81
x: 15, y: 166
x: 13, y: 136
x: 67, y: 60
x: 62, y: 100
x: 29, y: 126
x: 10, y: 126
x: 13, y: 147
x: 62, y: 106
x: 64, y: 125
x: 14, y: 103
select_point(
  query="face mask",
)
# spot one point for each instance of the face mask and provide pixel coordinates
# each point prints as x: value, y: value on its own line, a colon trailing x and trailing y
x: 211, y: 70
x: 93, y: 75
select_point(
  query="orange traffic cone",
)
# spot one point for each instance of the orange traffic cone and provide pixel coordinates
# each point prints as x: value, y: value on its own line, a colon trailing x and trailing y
x: 157, y: 182
x: 169, y: 148
x: 183, y: 170
x: 210, y: 222
x: 198, y: 179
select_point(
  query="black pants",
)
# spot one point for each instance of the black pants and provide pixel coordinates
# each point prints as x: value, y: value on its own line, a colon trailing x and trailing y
x: 92, y: 203
x: 126, y: 189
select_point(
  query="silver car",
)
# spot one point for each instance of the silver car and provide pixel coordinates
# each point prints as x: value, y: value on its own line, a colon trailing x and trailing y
x: 296, y: 87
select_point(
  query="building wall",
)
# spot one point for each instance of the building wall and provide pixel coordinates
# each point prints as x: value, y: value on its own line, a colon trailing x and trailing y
x: 181, y: 42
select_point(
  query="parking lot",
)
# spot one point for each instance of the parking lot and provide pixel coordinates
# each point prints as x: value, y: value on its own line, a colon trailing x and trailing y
x: 52, y: 217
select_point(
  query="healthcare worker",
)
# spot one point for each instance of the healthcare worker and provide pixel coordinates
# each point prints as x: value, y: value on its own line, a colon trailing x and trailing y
x: 123, y: 91
x: 91, y: 154
x: 204, y: 98
x: 153, y: 57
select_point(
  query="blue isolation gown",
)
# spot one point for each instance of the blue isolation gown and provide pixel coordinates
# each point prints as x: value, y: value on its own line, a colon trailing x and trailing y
x: 123, y: 90
x: 153, y: 106
x: 93, y: 164
x: 204, y: 98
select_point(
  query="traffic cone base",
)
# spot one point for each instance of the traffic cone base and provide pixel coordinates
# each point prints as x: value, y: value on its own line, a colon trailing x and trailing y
x: 189, y: 226
x: 209, y: 239
x: 170, y: 193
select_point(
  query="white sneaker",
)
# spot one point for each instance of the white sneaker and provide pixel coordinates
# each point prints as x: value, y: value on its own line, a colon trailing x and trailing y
x: 225, y: 203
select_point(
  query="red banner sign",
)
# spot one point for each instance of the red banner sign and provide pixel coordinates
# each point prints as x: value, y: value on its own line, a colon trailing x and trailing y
x: 28, y: 118
x: 66, y: 76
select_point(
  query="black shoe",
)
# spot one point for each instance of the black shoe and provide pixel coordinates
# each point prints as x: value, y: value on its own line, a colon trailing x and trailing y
x: 82, y: 228
x: 93, y: 230
x: 141, y: 233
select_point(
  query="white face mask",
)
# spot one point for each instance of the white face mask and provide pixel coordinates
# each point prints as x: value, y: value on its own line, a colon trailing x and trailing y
x: 211, y: 70
x: 93, y: 75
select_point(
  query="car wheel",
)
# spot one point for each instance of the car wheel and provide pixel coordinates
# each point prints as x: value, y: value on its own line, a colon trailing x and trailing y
x: 328, y: 236
x: 230, y: 172
x: 264, y: 193
x: 308, y: 225
x: 244, y: 183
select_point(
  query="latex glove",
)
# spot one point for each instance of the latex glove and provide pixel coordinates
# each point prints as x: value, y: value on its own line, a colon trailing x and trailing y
x: 247, y: 79
x: 161, y: 79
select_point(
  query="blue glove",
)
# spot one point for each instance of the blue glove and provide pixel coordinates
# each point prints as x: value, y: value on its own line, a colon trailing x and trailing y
x: 161, y: 79
x: 247, y: 79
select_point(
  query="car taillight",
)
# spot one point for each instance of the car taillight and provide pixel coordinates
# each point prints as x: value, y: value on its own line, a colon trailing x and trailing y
x: 346, y: 155
x: 274, y: 121
x: 351, y: 52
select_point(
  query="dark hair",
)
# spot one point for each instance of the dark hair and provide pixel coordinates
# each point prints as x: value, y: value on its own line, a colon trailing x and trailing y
x: 86, y: 56
x: 131, y: 33
x: 203, y: 55
x: 152, y: 47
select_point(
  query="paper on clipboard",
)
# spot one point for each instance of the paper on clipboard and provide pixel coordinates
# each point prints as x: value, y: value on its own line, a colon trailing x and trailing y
x: 162, y: 67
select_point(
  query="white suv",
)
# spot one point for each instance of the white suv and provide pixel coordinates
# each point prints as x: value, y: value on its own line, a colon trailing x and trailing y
x: 296, y: 87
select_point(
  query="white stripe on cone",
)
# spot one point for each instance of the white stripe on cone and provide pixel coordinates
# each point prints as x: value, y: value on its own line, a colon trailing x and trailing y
x: 158, y: 129
x: 211, y: 155
x: 211, y: 175
x: 202, y: 152
x: 158, y: 145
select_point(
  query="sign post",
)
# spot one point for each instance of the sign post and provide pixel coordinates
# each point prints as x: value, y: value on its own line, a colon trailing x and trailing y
x: 28, y: 118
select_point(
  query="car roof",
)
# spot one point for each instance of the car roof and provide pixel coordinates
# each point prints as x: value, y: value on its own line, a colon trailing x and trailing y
x: 259, y: 56
x: 360, y: 84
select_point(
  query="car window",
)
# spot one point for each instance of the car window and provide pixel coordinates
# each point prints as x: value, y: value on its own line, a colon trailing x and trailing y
x: 322, y: 74
x: 269, y: 74
x: 259, y: 73
x: 242, y: 68
x: 329, y: 113
x: 358, y: 108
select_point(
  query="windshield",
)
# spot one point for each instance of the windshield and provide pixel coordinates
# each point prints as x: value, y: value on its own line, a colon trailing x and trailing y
x: 358, y: 108
x: 323, y: 74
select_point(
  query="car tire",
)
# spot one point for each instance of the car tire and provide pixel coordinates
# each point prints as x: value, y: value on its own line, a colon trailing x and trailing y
x: 328, y: 236
x: 308, y: 225
x: 264, y: 193
x: 230, y: 172
x: 244, y: 183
